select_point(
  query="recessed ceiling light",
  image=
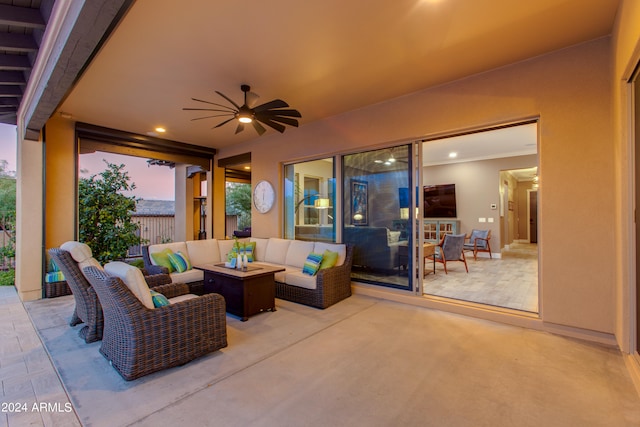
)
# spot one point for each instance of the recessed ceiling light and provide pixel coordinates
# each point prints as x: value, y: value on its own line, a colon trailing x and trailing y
x: 160, y: 129
x: 453, y: 155
x: 378, y: 161
x: 247, y: 167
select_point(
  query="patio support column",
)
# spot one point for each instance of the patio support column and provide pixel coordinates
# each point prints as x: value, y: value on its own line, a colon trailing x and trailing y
x: 29, y: 220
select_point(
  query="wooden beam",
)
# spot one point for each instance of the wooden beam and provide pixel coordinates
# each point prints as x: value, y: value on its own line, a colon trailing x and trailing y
x: 12, y: 91
x: 12, y: 42
x: 14, y: 62
x: 21, y: 16
x: 12, y: 78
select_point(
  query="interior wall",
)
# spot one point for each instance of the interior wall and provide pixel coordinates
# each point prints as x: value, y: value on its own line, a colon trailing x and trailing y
x: 477, y: 189
x: 570, y: 90
x: 626, y: 55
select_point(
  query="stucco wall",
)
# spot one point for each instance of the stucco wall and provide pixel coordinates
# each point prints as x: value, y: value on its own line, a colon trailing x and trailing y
x: 570, y: 91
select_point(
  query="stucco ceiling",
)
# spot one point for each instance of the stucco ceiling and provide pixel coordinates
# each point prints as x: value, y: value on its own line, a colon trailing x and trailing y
x: 323, y: 58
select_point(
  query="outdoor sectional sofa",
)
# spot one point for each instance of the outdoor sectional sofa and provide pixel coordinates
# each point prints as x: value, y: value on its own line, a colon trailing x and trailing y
x: 321, y: 290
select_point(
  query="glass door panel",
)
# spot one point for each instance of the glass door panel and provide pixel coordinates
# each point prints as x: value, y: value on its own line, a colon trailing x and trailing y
x: 376, y: 215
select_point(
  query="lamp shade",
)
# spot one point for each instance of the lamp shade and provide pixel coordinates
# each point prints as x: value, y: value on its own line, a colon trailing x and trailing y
x: 321, y: 203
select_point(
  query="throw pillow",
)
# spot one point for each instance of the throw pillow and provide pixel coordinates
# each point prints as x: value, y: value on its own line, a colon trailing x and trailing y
x: 162, y: 259
x: 159, y: 300
x: 329, y: 259
x: 180, y: 262
x: 312, y: 264
x: 249, y: 249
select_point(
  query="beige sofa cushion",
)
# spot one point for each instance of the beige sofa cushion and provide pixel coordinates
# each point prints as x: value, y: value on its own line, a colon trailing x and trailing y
x: 226, y: 246
x: 261, y: 248
x: 203, y: 251
x: 298, y: 252
x: 299, y: 279
x: 188, y: 276
x: 340, y: 248
x: 133, y: 278
x: 276, y: 251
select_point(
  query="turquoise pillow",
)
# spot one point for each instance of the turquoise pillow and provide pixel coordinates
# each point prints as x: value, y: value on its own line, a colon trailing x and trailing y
x: 248, y: 250
x: 180, y: 262
x: 312, y: 264
x: 158, y: 299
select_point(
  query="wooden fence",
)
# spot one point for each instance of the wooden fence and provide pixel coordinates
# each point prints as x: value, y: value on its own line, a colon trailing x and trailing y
x: 6, y: 232
x: 154, y: 229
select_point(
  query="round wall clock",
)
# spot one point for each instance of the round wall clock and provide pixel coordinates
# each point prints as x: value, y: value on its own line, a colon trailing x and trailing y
x: 263, y: 196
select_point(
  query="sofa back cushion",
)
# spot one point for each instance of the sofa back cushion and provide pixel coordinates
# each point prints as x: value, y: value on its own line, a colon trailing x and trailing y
x: 276, y: 251
x: 133, y: 278
x: 261, y: 248
x: 225, y: 247
x: 340, y: 248
x: 298, y: 252
x: 173, y: 247
x: 203, y: 251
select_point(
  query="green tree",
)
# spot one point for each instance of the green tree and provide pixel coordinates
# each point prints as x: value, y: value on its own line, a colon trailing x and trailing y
x: 7, y: 212
x: 238, y: 202
x: 105, y: 213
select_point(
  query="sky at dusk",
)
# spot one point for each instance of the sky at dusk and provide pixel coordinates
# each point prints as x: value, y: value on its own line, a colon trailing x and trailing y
x: 152, y: 182
x: 8, y: 146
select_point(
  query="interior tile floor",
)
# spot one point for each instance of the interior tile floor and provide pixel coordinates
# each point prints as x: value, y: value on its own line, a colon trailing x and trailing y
x: 510, y: 281
x: 361, y: 362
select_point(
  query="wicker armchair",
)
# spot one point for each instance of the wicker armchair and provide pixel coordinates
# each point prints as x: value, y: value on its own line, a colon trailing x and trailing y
x: 88, y: 309
x: 139, y: 341
x: 332, y: 285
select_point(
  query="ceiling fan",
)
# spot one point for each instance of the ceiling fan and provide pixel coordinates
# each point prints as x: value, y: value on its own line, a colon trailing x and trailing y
x: 274, y: 114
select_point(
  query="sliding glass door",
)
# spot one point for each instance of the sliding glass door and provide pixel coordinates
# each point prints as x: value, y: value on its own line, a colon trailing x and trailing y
x: 376, y: 212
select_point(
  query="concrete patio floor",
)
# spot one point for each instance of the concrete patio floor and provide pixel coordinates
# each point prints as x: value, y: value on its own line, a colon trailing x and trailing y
x: 364, y: 361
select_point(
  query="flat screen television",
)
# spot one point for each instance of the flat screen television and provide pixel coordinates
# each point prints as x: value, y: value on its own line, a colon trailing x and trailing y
x: 440, y: 201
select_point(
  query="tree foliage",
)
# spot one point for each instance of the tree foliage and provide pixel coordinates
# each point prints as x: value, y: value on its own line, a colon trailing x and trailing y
x: 238, y: 202
x: 105, y: 213
x: 7, y: 210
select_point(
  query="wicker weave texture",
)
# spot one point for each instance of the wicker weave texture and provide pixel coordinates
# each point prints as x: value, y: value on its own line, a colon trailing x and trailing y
x: 56, y: 289
x: 332, y: 285
x: 139, y: 341
x: 88, y: 309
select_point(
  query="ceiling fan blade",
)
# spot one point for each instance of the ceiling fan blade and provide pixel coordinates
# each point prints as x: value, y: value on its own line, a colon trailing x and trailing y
x: 277, y: 126
x: 209, y: 109
x: 240, y: 128
x: 258, y: 127
x: 284, y: 112
x: 208, y: 117
x: 223, y: 123
x: 213, y: 103
x: 285, y: 120
x: 276, y: 103
x: 228, y: 99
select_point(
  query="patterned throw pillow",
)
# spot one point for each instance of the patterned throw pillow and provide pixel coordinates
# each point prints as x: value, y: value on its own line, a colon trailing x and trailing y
x: 159, y: 300
x: 312, y: 264
x: 248, y: 250
x: 329, y: 259
x: 162, y: 259
x: 180, y: 262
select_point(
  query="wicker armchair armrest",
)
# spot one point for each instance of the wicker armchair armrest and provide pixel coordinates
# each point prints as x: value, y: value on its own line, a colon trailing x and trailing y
x: 157, y: 280
x: 172, y: 290
x: 149, y: 266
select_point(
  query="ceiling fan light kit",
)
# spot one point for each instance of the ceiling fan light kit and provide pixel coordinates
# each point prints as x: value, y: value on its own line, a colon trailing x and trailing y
x: 275, y: 114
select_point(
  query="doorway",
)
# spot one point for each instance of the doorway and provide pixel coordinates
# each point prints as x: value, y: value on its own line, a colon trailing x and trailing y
x: 493, y: 171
